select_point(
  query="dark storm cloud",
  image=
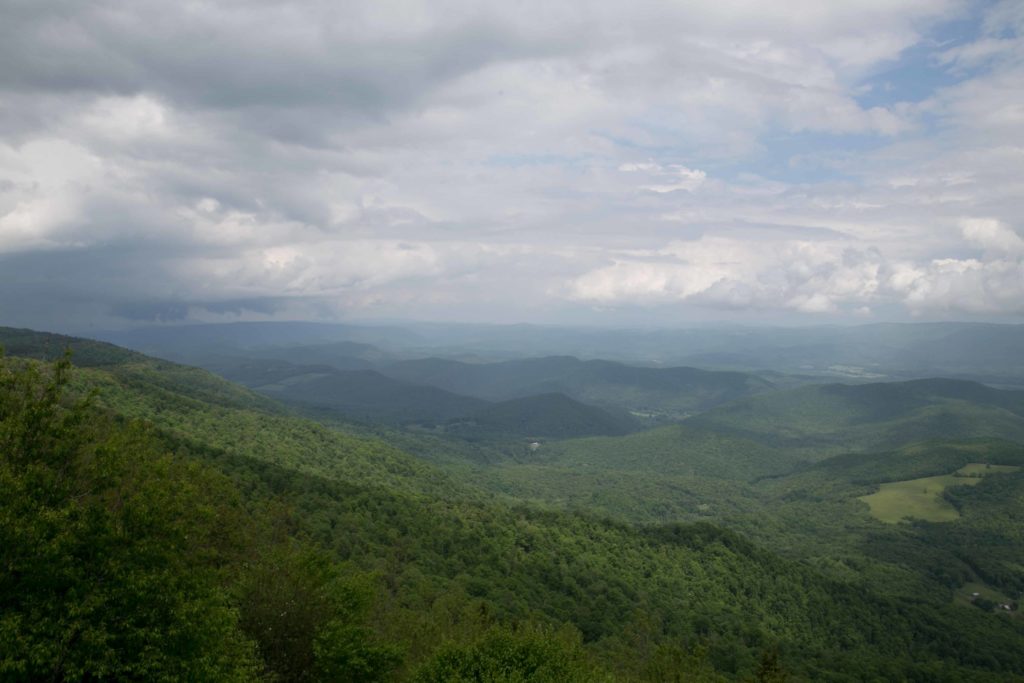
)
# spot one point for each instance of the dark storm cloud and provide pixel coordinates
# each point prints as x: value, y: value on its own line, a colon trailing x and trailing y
x: 151, y: 312
x: 171, y: 311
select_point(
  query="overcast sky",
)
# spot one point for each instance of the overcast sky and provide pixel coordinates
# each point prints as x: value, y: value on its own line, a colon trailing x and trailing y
x: 603, y: 162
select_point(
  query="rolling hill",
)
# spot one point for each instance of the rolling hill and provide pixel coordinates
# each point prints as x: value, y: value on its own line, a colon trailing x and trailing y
x: 544, y: 415
x: 370, y: 396
x: 49, y: 346
x: 454, y: 564
x: 822, y: 420
x: 655, y: 392
x: 354, y: 394
x: 984, y: 352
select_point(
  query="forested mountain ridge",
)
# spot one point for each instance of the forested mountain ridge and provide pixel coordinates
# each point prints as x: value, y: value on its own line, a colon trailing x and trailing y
x: 367, y: 395
x: 50, y: 346
x: 551, y: 415
x: 668, y: 392
x: 891, y: 351
x: 463, y: 581
x: 827, y: 419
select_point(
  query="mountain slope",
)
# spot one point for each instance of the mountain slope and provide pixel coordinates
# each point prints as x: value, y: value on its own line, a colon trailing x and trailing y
x: 544, y: 415
x: 454, y: 563
x: 667, y: 392
x: 368, y: 395
x: 354, y: 394
x: 822, y: 420
x: 343, y: 355
x: 49, y: 346
x: 196, y: 407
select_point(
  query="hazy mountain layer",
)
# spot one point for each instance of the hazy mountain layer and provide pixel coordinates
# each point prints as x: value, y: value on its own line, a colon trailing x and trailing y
x: 654, y: 392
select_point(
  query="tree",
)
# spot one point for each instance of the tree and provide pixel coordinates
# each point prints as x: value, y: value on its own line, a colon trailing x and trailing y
x: 109, y: 548
x: 512, y: 655
x: 307, y: 618
x: 769, y: 669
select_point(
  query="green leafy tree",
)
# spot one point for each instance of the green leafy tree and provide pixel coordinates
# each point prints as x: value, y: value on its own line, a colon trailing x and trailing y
x: 513, y: 655
x: 308, y: 618
x: 110, y: 550
x: 769, y: 669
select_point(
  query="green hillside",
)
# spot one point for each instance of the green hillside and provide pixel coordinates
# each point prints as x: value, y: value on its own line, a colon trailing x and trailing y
x: 545, y: 415
x: 197, y: 408
x: 817, y: 421
x: 677, y: 450
x: 48, y: 346
x: 355, y: 394
x: 261, y: 543
x: 370, y: 396
x: 662, y: 393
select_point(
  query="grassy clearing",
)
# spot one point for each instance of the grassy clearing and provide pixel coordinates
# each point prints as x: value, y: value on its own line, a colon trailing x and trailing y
x: 922, y: 498
x: 918, y: 498
x: 965, y: 594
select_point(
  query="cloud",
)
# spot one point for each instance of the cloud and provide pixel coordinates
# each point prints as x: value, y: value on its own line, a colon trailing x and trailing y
x: 815, y: 277
x: 800, y: 276
x: 963, y: 286
x: 507, y: 159
x: 47, y: 182
x: 667, y: 178
x: 992, y: 235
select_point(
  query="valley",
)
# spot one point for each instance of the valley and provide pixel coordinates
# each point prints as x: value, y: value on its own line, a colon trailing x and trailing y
x: 482, y: 341
x: 822, y: 524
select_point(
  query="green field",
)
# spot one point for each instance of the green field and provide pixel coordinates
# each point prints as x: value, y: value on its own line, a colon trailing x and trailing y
x: 922, y: 498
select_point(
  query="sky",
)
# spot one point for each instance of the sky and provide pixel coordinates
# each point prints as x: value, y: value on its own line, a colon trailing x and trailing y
x: 591, y: 162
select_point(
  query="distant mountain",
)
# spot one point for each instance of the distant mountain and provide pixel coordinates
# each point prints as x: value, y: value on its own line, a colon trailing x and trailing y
x: 252, y: 334
x: 297, y: 342
x: 990, y: 353
x: 546, y: 415
x: 371, y: 396
x: 355, y: 394
x: 259, y: 372
x: 821, y: 420
x: 662, y: 392
x: 343, y: 355
x: 985, y: 352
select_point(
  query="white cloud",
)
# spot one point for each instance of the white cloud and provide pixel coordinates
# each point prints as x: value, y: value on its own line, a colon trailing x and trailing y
x: 738, y: 155
x: 814, y: 277
x: 991, y: 234
x: 667, y: 178
x: 963, y: 286
x: 127, y: 117
x: 794, y: 275
x: 45, y: 183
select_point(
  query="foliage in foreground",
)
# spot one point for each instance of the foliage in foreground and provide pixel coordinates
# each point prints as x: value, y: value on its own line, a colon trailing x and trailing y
x: 120, y: 561
x: 218, y: 549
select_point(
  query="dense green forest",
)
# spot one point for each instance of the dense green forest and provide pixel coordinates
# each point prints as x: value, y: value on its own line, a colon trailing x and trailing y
x: 162, y: 523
